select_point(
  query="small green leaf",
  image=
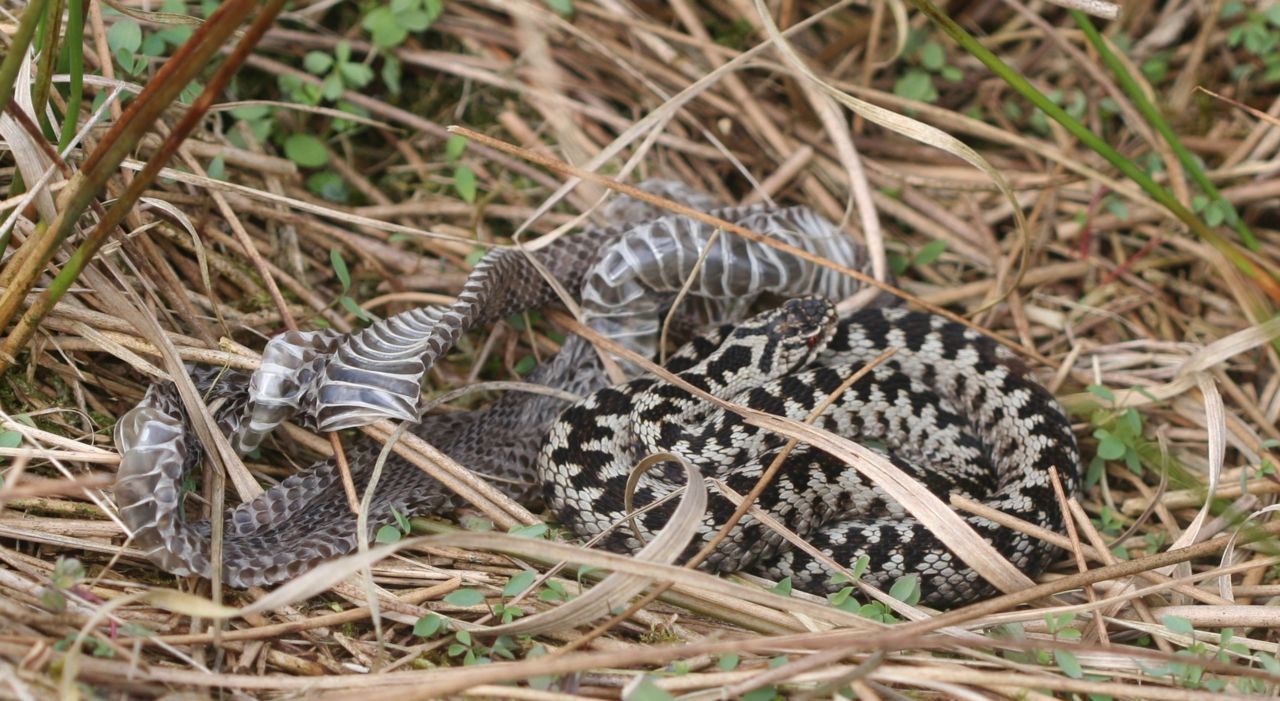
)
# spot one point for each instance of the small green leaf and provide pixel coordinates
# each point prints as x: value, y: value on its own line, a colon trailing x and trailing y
x: 384, y: 28
x: 1111, y: 448
x: 454, y: 147
x: 906, y: 589
x: 251, y: 112
x: 10, y: 439
x: 1131, y: 421
x: 331, y: 87
x: 388, y: 534
x: 525, y: 365
x: 564, y: 8
x: 930, y: 252
x: 401, y: 520
x: 356, y: 75
x: 646, y: 690
x: 152, y: 45
x: 504, y: 645
x: 517, y: 322
x: 951, y: 74
x: 306, y: 150
x: 1221, y: 211
x: 728, y: 662
x: 317, y: 62
x: 414, y: 20
x: 464, y: 180
x: 53, y: 600
x: 533, y: 530
x: 124, y: 35
x: 1178, y: 624
x: 1157, y: 67
x: 1101, y: 392
x: 1097, y: 467
x: 329, y: 185
x: 340, y: 268
x: 217, y: 168
x: 1231, y: 9
x: 465, y: 597
x: 876, y: 611
x: 1068, y: 663
x: 129, y: 62
x: 476, y: 523
x: 933, y: 56
x: 860, y: 567
x: 518, y: 583
x: 428, y: 625
x: 783, y: 587
x: 898, y: 263
x: 837, y: 598
x: 391, y: 73
x: 764, y: 693
x: 1118, y: 208
x: 553, y: 591
x: 354, y: 308
x: 916, y: 84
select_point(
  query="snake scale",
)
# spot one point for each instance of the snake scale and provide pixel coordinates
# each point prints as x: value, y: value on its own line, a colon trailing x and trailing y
x: 952, y: 408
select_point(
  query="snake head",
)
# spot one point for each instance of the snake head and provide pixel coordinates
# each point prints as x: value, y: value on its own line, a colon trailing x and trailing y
x: 790, y: 336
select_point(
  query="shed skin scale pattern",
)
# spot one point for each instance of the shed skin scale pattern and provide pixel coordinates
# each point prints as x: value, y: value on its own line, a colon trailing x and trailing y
x: 951, y: 408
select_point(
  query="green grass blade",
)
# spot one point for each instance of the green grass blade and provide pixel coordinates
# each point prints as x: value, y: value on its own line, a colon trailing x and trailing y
x: 1267, y: 280
x: 75, y: 68
x: 17, y: 50
x: 47, y: 40
x: 1153, y: 116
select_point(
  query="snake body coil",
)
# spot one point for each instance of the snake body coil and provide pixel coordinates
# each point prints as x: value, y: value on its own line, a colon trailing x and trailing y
x: 951, y: 407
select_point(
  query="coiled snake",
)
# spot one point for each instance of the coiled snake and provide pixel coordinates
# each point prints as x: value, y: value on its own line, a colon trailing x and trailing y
x: 951, y: 407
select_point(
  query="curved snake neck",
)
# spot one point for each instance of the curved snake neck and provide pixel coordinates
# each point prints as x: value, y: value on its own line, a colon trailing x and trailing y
x: 951, y: 408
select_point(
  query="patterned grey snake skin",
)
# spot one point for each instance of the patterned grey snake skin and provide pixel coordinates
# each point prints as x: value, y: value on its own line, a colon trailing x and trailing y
x: 951, y: 407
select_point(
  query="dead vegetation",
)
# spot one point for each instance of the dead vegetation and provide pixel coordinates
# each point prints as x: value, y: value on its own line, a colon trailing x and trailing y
x: 323, y: 185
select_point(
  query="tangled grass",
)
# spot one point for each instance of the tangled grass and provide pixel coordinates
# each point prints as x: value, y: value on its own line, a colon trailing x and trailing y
x: 1124, y: 234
